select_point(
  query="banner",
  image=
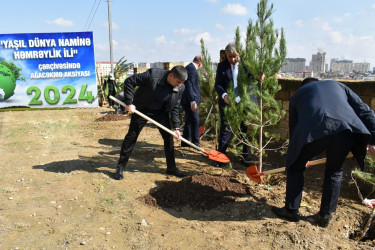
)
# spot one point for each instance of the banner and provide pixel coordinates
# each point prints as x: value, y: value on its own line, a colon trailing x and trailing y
x: 42, y: 70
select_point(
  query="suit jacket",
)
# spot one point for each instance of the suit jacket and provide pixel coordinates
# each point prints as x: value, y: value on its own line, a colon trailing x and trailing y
x: 147, y: 83
x: 192, y: 92
x: 322, y: 108
x: 224, y: 77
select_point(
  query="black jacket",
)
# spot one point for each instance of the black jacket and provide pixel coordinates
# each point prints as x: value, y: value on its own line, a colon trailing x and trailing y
x: 143, y: 96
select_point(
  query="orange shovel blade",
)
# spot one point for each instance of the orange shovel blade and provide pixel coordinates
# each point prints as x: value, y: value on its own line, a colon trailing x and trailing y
x: 217, y: 156
x: 201, y: 130
x: 253, y: 174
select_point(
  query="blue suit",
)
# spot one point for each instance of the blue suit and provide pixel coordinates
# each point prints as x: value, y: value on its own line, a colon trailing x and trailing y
x: 325, y: 116
x: 191, y: 94
x: 223, y: 78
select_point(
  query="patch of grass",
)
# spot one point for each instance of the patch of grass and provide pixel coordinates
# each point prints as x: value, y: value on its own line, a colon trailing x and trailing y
x: 16, y: 131
x: 369, y: 174
x: 107, y: 205
x: 88, y: 132
x: 107, y: 202
x: 30, y: 109
x: 368, y: 177
x: 100, y: 188
x: 121, y: 196
x: 20, y: 144
x: 40, y: 198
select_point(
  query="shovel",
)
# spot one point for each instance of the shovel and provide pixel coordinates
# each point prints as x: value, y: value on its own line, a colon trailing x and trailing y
x: 201, y: 130
x: 253, y: 174
x: 212, y: 154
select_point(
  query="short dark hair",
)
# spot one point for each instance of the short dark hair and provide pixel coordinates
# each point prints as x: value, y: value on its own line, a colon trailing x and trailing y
x: 309, y: 79
x: 180, y: 72
x: 197, y: 59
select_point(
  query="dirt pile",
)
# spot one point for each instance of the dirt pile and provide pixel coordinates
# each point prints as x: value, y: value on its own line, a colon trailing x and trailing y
x: 199, y: 192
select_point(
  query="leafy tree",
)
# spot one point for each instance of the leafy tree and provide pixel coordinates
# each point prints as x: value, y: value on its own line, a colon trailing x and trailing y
x: 262, y: 56
x: 208, y: 107
x: 121, y: 68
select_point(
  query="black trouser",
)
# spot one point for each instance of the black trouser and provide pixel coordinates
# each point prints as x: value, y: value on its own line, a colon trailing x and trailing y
x: 337, y: 148
x: 135, y: 127
x: 110, y: 101
x: 191, y: 127
x: 226, y: 134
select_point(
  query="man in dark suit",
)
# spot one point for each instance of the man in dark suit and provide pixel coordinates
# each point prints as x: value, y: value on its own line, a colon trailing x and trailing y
x: 226, y: 74
x: 110, y: 88
x: 159, y: 97
x: 324, y: 116
x: 190, y: 101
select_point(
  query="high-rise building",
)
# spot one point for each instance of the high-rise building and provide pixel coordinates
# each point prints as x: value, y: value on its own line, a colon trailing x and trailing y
x: 293, y: 65
x: 318, y: 62
x: 347, y: 66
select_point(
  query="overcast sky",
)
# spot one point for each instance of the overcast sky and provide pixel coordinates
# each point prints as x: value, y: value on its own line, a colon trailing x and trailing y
x: 170, y: 30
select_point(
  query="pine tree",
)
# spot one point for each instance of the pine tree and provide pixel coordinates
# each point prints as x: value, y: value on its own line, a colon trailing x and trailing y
x: 261, y: 56
x: 208, y: 107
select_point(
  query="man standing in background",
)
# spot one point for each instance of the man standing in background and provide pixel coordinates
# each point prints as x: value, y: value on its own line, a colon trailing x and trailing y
x: 226, y: 74
x: 110, y: 88
x: 190, y: 101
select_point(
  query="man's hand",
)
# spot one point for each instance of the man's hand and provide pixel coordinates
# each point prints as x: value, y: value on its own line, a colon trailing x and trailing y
x: 177, y: 134
x: 130, y: 108
x: 226, y: 99
x: 193, y: 105
x: 371, y: 150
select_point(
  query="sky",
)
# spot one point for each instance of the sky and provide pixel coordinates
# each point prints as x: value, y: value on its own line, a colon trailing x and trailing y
x: 170, y: 30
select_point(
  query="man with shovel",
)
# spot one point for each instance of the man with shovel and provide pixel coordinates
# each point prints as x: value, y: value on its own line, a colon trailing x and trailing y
x: 324, y: 116
x: 158, y: 96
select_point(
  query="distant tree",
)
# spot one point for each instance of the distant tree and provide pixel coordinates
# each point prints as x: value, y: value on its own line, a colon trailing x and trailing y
x: 121, y: 68
x: 260, y: 56
x: 208, y: 108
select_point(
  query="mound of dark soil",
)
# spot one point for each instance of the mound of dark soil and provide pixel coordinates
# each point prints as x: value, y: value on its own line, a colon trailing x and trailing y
x: 112, y: 117
x: 198, y: 192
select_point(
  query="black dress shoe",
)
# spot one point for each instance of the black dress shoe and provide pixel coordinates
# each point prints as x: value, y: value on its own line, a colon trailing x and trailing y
x: 285, y: 213
x: 119, y: 175
x: 176, y: 172
x: 324, y: 220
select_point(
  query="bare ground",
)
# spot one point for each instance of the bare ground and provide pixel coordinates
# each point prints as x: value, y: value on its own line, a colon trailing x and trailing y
x: 58, y: 192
